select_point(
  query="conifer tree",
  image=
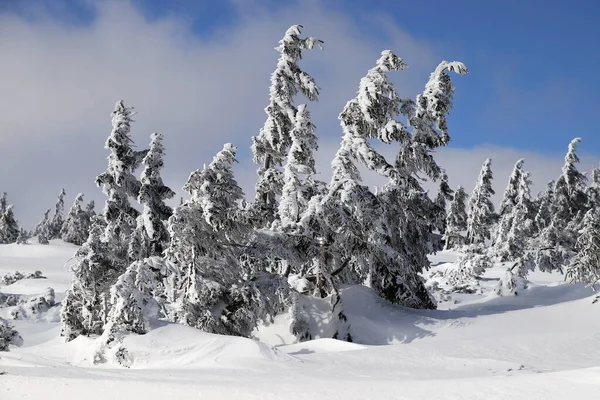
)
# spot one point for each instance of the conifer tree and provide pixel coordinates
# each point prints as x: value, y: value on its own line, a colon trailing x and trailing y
x: 201, y: 230
x: 85, y: 306
x: 585, y: 265
x: 151, y: 236
x: 444, y: 195
x: 456, y: 222
x: 90, y: 209
x: 57, y: 220
x: 520, y: 224
x: 271, y: 146
x: 481, y: 209
x: 569, y: 190
x: 3, y: 202
x: 119, y: 183
x: 76, y: 227
x: 593, y: 191
x: 543, y: 215
x: 300, y: 160
x: 512, y: 189
x: 43, y: 228
x: 9, y: 227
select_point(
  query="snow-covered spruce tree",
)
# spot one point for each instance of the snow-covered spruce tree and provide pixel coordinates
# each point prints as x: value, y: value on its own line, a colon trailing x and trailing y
x: 300, y: 161
x: 543, y: 216
x: 481, y: 214
x: 471, y: 264
x: 90, y: 209
x: 24, y: 235
x: 85, y: 307
x: 8, y: 336
x: 76, y: 227
x: 119, y: 183
x: 210, y: 290
x: 456, y: 222
x: 570, y: 200
x: 9, y: 227
x: 151, y: 236
x: 413, y: 238
x: 517, y: 225
x: 444, y: 195
x: 271, y: 146
x: 593, y: 191
x: 350, y: 208
x: 43, y: 228
x: 585, y: 265
x: 58, y: 219
x: 509, y: 199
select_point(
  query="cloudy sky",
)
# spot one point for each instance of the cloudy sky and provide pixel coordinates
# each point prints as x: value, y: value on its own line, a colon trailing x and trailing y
x: 198, y: 72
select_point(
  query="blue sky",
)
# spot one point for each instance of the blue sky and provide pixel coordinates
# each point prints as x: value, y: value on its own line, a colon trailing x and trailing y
x: 198, y: 72
x: 532, y: 62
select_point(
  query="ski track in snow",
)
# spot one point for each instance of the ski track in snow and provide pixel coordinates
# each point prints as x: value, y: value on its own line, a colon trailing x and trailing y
x: 542, y: 344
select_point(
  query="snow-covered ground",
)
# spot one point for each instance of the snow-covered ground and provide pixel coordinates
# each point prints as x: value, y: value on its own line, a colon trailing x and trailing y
x: 542, y: 344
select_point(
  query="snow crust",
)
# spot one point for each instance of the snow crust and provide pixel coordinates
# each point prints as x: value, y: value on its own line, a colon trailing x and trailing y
x: 542, y: 344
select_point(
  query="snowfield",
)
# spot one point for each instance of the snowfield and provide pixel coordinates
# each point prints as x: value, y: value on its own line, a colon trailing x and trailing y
x: 542, y: 344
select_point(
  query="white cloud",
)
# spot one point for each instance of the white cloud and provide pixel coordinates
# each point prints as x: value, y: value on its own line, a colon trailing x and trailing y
x: 59, y: 83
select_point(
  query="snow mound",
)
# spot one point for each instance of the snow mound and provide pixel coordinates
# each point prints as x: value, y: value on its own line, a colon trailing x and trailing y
x: 178, y: 346
x: 321, y: 346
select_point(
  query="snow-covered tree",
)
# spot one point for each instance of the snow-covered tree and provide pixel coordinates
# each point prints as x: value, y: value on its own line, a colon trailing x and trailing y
x: 134, y: 296
x: 444, y: 195
x: 585, y: 265
x: 8, y: 335
x: 86, y: 303
x: 543, y: 216
x: 509, y: 199
x: 300, y: 161
x: 481, y: 214
x: 471, y: 264
x: 90, y: 209
x: 516, y: 227
x: 456, y: 222
x: 593, y: 191
x: 43, y: 228
x: 119, y: 183
x: 151, y: 236
x: 272, y: 144
x: 207, y: 236
x: 76, y: 227
x: 570, y: 200
x: 57, y: 220
x: 24, y: 235
x: 9, y: 227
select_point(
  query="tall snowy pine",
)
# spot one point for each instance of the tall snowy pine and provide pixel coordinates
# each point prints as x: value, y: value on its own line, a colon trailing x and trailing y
x: 271, y: 146
x: 119, y: 183
x: 86, y: 303
x: 296, y: 193
x: 76, y: 227
x: 58, y: 218
x: 151, y: 236
x: 481, y: 214
x: 585, y: 265
x: 44, y: 228
x: 9, y: 227
x: 570, y: 201
x: 456, y: 222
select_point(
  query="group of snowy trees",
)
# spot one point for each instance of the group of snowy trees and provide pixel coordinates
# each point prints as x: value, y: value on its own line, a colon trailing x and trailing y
x: 74, y: 228
x: 221, y: 264
x: 555, y: 231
